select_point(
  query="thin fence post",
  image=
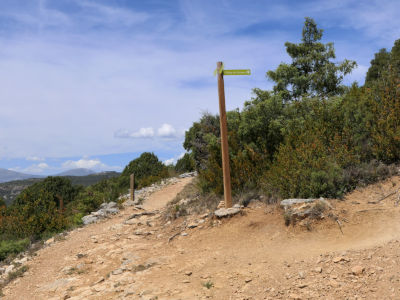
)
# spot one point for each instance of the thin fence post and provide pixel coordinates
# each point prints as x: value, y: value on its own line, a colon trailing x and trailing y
x: 132, y: 190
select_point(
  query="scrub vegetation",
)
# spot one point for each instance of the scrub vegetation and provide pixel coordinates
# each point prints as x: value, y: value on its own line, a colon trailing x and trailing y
x: 310, y: 136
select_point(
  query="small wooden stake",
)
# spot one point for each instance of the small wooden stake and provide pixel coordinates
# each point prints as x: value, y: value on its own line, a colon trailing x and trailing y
x: 132, y: 187
x: 60, y: 203
x: 224, y: 138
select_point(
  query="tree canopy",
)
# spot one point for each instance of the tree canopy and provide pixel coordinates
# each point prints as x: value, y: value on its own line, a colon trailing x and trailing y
x: 146, y: 167
x: 312, y: 71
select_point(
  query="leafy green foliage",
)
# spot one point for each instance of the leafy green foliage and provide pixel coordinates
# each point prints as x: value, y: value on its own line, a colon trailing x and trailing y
x: 304, y: 170
x: 311, y: 73
x: 35, y: 214
x: 59, y: 189
x: 379, y: 66
x: 12, y: 247
x: 262, y: 121
x: 185, y: 164
x: 385, y: 98
x: 197, y: 137
x: 147, y: 169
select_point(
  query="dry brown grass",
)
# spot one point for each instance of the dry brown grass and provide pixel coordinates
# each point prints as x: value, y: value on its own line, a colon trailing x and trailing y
x: 191, y: 201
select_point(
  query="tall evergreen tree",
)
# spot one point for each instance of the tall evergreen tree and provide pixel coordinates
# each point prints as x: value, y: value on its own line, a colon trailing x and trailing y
x: 379, y: 65
x: 311, y: 73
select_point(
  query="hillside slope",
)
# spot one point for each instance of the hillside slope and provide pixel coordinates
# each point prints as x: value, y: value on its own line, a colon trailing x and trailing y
x: 7, y: 175
x: 76, y: 172
x: 250, y: 256
x: 10, y: 190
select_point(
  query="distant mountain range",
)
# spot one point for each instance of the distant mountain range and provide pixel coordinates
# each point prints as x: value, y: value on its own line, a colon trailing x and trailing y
x: 7, y: 175
x: 76, y: 172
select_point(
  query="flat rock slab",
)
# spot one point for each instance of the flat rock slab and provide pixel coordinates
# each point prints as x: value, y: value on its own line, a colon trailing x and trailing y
x: 89, y: 219
x: 190, y: 174
x: 57, y: 284
x: 226, y: 212
x: 290, y: 202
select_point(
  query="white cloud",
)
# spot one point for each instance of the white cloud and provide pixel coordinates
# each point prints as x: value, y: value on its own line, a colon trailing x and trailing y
x: 173, y: 160
x: 43, y: 165
x: 83, y: 163
x: 87, y: 163
x: 147, y: 132
x: 169, y: 162
x: 35, y: 168
x: 166, y: 131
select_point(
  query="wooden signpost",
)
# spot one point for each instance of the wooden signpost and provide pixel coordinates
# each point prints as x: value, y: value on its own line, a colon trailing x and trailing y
x: 224, y: 129
x: 132, y: 187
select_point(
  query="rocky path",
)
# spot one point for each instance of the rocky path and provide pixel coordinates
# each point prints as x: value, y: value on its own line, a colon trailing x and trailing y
x: 250, y: 256
x: 79, y: 265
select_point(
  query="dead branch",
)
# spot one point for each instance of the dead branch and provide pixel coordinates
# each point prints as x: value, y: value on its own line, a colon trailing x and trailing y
x: 145, y: 213
x: 383, y: 198
x: 372, y: 209
x: 396, y: 203
x: 340, y: 225
x: 173, y: 236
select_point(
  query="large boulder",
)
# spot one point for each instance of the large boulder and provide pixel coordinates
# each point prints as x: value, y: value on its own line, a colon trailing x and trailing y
x: 299, y: 209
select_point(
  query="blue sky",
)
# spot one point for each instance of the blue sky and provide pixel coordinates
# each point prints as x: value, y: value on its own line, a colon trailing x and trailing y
x: 91, y: 83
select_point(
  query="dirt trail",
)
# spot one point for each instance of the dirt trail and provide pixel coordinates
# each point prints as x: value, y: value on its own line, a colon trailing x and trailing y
x: 250, y: 256
x: 160, y: 198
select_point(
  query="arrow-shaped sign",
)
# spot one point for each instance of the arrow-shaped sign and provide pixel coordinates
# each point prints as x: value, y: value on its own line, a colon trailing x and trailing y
x: 232, y: 72
x: 236, y: 72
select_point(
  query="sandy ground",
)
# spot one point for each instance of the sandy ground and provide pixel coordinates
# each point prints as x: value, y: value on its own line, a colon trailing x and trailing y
x: 249, y: 256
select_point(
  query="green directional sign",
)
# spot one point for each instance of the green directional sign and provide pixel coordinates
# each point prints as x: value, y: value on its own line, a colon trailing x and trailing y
x: 236, y: 72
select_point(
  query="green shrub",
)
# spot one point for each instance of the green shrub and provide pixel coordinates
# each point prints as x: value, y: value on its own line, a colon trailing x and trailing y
x: 185, y: 163
x: 76, y: 219
x: 147, y: 169
x: 306, y: 170
x: 17, y: 273
x: 58, y: 189
x: 12, y: 247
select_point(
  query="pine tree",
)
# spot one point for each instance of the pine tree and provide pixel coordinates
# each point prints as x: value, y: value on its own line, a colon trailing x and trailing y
x: 311, y: 73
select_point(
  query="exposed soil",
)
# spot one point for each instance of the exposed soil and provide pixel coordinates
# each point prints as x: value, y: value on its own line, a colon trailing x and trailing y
x: 249, y: 256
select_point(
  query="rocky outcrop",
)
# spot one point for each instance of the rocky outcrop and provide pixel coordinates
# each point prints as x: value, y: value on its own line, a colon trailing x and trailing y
x: 300, y: 209
x: 190, y: 174
x: 105, y: 210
